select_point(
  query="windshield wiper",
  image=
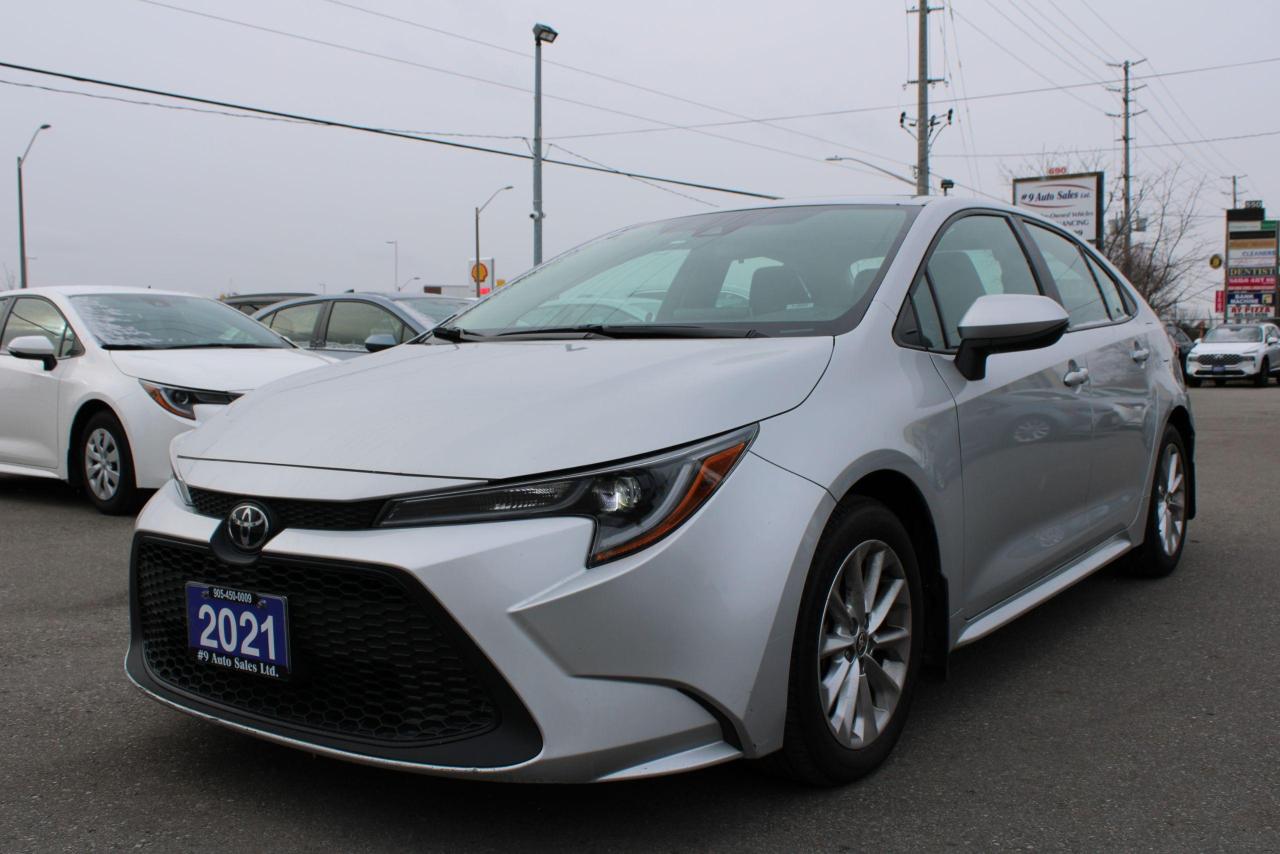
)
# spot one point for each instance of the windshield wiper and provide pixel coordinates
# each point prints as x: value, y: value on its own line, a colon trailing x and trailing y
x: 452, y: 333
x: 223, y: 345
x: 131, y: 347
x: 637, y: 330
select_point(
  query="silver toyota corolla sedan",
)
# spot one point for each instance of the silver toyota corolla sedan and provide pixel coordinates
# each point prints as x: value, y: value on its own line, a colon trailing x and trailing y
x: 708, y: 488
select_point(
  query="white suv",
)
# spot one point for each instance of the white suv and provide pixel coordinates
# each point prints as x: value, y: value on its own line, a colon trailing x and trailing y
x: 1236, y: 351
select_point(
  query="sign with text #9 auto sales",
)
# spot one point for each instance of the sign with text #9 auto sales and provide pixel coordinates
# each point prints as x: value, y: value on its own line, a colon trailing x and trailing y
x: 1072, y: 202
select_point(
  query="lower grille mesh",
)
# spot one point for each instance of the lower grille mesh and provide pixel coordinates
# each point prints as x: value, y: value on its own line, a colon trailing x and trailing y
x: 369, y: 660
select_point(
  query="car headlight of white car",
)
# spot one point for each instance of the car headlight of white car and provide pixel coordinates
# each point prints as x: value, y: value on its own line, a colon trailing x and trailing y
x: 634, y: 503
x: 182, y: 401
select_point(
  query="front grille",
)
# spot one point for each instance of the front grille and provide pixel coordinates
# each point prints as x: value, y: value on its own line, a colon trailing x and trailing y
x: 372, y: 657
x: 1219, y: 358
x: 295, y: 513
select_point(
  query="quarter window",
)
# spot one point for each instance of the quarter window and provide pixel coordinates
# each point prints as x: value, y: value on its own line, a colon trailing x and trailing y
x: 350, y: 323
x: 978, y: 255
x: 1116, y: 306
x: 297, y: 323
x: 33, y: 316
x: 1080, y: 295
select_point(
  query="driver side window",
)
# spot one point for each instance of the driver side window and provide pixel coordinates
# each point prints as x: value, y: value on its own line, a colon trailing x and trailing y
x: 34, y: 316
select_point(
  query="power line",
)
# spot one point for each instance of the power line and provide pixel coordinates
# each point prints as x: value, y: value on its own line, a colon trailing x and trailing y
x: 510, y: 86
x: 641, y: 180
x: 1172, y: 144
x: 986, y: 96
x: 312, y: 120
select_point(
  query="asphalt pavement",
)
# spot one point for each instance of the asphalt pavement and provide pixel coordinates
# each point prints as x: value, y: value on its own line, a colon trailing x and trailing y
x: 1123, y: 715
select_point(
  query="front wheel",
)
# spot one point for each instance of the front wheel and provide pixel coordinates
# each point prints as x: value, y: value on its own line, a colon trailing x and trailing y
x: 1166, y: 531
x: 1264, y: 373
x: 106, y: 466
x: 856, y: 651
x: 1193, y: 382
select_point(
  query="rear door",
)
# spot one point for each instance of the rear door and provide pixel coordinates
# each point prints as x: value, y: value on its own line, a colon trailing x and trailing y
x: 1024, y: 430
x: 297, y: 322
x: 29, y: 393
x: 1121, y: 361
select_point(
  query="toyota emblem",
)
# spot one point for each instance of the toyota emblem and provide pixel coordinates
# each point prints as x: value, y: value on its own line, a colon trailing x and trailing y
x: 248, y: 526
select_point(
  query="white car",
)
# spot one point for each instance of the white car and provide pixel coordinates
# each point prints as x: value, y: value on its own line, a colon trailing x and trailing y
x: 1236, y: 351
x: 664, y: 538
x: 96, y: 382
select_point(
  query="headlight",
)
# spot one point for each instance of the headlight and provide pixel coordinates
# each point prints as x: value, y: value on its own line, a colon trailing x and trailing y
x: 634, y: 504
x: 182, y: 401
x: 177, y: 476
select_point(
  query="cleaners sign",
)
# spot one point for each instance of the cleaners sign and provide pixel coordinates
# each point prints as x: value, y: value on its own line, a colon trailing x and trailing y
x: 1072, y: 202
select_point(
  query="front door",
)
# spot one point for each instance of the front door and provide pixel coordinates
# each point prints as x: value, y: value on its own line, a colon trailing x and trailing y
x: 29, y: 414
x: 1024, y: 428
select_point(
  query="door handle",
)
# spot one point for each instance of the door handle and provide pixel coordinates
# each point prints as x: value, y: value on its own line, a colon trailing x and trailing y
x: 1140, y: 354
x: 1076, y: 376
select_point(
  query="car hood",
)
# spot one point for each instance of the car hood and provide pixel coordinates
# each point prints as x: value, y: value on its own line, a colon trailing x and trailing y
x: 497, y: 410
x: 1227, y: 347
x: 213, y: 369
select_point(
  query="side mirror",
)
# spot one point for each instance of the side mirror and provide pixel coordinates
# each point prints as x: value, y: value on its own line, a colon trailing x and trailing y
x: 379, y: 341
x: 1198, y: 340
x: 34, y: 347
x: 1006, y: 323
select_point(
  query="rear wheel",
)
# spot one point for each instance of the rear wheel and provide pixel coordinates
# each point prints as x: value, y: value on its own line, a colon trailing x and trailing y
x: 1167, y: 515
x: 1220, y: 383
x: 856, y: 651
x: 106, y: 466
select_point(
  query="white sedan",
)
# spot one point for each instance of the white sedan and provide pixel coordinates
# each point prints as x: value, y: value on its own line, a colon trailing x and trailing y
x: 96, y: 382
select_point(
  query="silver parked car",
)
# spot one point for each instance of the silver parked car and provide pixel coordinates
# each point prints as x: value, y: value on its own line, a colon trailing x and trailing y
x: 827, y: 445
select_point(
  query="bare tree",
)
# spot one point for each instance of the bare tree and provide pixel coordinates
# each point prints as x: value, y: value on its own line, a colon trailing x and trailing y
x: 1165, y: 249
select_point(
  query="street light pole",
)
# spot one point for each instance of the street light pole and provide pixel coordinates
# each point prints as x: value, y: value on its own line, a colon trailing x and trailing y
x: 400, y: 286
x: 475, y: 268
x: 395, y: 273
x: 22, y: 219
x: 541, y: 33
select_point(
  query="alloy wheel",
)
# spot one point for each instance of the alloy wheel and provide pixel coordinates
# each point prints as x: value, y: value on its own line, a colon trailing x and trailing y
x: 865, y: 644
x: 102, y: 464
x: 1171, y: 500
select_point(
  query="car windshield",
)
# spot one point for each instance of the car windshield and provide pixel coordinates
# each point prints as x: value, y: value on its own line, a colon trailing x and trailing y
x: 434, y: 309
x: 1234, y: 335
x: 168, y: 322
x: 774, y: 271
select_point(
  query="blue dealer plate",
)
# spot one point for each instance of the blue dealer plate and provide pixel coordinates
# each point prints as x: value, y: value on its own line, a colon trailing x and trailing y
x: 238, y: 630
x: 1219, y: 369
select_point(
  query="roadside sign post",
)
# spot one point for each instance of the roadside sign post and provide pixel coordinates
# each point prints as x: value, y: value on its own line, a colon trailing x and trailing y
x: 1249, y: 282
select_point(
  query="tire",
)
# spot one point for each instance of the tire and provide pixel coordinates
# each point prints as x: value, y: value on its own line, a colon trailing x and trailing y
x: 1193, y: 382
x: 1155, y: 558
x: 822, y: 746
x: 106, y: 466
x: 1264, y: 373
x: 1220, y: 383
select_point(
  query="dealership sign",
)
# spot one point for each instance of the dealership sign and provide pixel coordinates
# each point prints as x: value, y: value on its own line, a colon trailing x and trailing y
x: 1073, y: 202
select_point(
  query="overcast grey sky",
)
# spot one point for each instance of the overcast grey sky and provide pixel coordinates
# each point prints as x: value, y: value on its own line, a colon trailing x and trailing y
x: 123, y: 194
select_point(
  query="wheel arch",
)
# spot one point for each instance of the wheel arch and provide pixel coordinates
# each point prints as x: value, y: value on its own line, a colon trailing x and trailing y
x: 87, y: 410
x: 899, y: 493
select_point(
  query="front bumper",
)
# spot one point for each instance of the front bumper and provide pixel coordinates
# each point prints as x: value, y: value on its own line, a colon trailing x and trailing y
x: 1243, y: 368
x: 670, y: 659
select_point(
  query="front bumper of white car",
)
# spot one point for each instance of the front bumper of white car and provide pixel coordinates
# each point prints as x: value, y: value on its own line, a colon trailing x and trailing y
x: 489, y: 649
x: 1222, y: 366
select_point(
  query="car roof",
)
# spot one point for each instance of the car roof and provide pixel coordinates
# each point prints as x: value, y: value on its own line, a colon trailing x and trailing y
x: 81, y: 290
x: 382, y: 299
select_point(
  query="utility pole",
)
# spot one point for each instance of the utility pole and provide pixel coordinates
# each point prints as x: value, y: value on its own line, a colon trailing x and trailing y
x: 541, y: 33
x: 923, y: 124
x: 1126, y: 100
x: 22, y: 216
x: 395, y: 270
x: 1235, y: 188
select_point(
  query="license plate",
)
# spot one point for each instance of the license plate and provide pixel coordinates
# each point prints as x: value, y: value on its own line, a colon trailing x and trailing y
x: 238, y: 630
x: 1219, y: 369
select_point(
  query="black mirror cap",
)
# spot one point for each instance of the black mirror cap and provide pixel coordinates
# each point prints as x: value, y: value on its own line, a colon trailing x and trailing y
x: 379, y: 342
x: 971, y: 358
x: 47, y: 359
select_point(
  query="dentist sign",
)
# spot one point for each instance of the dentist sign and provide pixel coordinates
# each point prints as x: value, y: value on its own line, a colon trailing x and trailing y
x: 1073, y: 202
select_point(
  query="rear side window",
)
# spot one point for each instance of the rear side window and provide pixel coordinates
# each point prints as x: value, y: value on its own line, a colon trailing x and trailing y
x: 351, y: 323
x: 297, y: 323
x: 977, y: 255
x: 33, y: 316
x: 1115, y: 303
x: 1080, y: 295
